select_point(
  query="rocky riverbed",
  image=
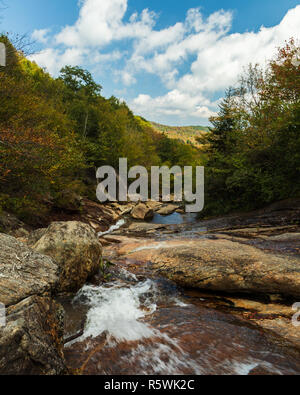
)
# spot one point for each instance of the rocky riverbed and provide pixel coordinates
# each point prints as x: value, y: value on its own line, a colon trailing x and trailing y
x: 205, y: 297
x: 179, y: 296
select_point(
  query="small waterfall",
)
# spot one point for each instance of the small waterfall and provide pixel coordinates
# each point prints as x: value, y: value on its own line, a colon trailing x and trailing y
x: 117, y: 226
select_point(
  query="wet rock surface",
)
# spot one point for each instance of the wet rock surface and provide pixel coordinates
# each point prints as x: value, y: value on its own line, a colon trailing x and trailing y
x: 215, y: 263
x: 190, y: 331
x: 138, y: 321
x: 177, y: 336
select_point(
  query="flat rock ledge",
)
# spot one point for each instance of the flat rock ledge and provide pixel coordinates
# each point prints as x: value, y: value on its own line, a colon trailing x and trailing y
x: 223, y: 265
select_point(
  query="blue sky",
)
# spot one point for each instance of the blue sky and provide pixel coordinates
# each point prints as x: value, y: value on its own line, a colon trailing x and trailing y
x: 171, y: 61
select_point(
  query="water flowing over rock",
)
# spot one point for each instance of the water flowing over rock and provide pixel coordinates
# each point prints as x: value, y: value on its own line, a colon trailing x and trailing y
x: 218, y: 265
x: 31, y: 342
x: 24, y: 272
x: 142, y: 212
x: 76, y: 249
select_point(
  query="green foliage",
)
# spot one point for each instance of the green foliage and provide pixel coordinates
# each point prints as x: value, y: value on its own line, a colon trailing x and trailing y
x: 253, y: 147
x: 39, y: 153
x: 104, y: 269
x: 185, y: 134
x: 54, y: 133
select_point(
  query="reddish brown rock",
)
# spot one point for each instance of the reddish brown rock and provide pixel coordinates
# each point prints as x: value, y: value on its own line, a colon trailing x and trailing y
x: 223, y: 265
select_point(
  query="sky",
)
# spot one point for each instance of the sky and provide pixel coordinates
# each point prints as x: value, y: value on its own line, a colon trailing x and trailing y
x: 171, y: 61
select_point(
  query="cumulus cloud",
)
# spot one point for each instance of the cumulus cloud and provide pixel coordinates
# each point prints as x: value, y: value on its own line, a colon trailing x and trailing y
x: 195, y: 58
x: 101, y: 21
x: 174, y: 102
x: 54, y: 59
x: 218, y: 65
x: 41, y: 35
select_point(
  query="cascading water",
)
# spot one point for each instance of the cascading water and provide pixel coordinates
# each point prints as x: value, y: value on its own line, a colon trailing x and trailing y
x: 114, y: 227
x: 148, y: 327
x: 117, y: 310
x: 140, y: 325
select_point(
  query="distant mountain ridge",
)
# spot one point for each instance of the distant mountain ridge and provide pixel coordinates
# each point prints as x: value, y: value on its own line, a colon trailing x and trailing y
x: 188, y: 134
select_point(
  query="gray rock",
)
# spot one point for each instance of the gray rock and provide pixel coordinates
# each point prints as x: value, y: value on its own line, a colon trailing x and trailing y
x: 145, y: 227
x: 31, y: 343
x: 154, y: 205
x: 24, y: 272
x: 20, y: 233
x: 75, y: 248
x: 286, y: 237
x: 35, y: 236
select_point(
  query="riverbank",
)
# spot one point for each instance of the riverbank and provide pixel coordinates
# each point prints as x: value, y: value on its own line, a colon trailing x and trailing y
x: 174, y: 295
x: 142, y: 321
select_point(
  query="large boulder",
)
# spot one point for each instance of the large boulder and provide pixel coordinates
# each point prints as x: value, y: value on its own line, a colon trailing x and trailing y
x: 168, y: 209
x: 31, y: 341
x: 218, y: 265
x: 142, y: 212
x: 223, y: 265
x: 24, y: 272
x: 76, y: 249
x: 35, y: 236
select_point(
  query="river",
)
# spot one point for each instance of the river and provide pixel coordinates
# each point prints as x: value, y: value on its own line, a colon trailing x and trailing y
x: 137, y: 324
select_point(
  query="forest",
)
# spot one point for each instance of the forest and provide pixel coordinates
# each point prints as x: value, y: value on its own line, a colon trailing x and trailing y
x: 55, y: 133
x: 253, y: 147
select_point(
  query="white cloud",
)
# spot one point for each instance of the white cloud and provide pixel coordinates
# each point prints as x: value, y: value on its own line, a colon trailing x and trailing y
x: 127, y: 78
x: 218, y: 65
x: 53, y: 59
x: 101, y: 21
x: 173, y: 103
x: 195, y: 58
x: 41, y: 35
x: 175, y: 44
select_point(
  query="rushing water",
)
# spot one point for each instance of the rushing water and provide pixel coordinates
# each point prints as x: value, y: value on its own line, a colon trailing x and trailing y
x: 141, y: 325
x: 114, y: 227
x: 148, y: 327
